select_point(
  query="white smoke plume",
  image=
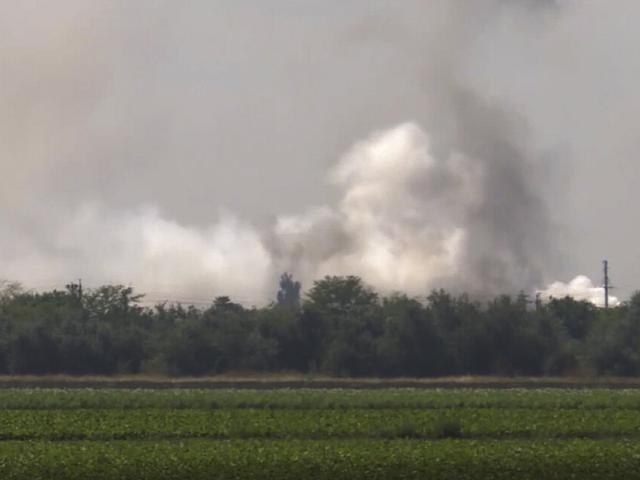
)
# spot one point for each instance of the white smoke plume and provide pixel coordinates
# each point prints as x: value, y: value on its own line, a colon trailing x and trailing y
x: 405, y: 221
x: 408, y: 220
x: 580, y: 288
x: 399, y: 223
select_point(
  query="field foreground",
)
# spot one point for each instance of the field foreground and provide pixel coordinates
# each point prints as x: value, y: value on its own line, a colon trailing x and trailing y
x: 318, y: 433
x: 273, y: 381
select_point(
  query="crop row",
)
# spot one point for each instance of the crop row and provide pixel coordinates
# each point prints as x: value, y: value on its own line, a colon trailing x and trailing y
x: 315, y: 399
x: 333, y: 459
x: 314, y: 424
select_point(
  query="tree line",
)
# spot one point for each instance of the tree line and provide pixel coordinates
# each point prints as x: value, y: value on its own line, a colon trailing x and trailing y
x: 339, y: 327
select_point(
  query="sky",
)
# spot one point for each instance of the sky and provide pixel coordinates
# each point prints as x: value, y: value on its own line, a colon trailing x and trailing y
x: 200, y: 148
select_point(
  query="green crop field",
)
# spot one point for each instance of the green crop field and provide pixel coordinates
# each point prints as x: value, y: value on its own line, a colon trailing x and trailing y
x: 314, y: 433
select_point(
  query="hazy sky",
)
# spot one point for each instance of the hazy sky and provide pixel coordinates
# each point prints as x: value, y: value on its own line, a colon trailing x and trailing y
x: 128, y: 124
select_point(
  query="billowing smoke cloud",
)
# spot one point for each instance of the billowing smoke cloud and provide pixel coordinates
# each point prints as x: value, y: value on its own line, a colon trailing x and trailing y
x: 580, y: 288
x: 411, y: 220
x: 183, y: 147
x: 407, y: 220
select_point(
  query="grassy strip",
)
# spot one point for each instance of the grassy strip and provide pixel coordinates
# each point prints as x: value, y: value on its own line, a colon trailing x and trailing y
x: 297, y: 380
x: 316, y: 424
x: 334, y: 459
x: 314, y: 399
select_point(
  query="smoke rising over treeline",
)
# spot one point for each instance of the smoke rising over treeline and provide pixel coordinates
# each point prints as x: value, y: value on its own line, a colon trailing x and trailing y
x: 340, y: 327
x: 204, y: 148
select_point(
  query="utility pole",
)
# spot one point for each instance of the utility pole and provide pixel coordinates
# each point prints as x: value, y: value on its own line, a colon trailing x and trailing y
x: 607, y: 287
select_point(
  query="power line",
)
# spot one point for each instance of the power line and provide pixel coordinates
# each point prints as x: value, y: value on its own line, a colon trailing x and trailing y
x: 150, y: 297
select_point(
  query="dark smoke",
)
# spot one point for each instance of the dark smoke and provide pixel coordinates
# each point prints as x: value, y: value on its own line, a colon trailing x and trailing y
x: 183, y: 148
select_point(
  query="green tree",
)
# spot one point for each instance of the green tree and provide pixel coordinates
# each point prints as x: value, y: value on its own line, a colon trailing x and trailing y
x: 577, y: 316
x: 411, y: 343
x: 289, y: 292
x: 613, y: 346
x: 346, y: 320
